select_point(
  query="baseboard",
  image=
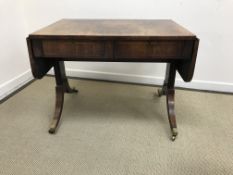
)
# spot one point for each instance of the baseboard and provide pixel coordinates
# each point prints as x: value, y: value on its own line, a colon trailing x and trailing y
x: 17, y: 82
x: 14, y: 84
x: 150, y: 80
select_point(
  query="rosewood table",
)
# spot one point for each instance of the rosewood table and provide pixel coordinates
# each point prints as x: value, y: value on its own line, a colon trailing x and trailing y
x: 113, y: 41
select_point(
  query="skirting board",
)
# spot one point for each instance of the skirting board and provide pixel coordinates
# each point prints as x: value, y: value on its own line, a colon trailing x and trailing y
x: 150, y: 80
x: 14, y: 84
x: 17, y: 82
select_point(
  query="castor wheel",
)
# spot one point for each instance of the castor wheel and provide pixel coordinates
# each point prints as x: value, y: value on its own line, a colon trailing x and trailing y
x: 173, y: 138
x: 174, y: 134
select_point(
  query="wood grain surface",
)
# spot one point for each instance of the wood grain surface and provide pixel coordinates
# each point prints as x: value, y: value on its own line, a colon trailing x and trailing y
x: 114, y: 28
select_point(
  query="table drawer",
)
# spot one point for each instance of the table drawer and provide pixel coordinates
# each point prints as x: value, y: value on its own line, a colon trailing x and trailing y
x: 149, y: 49
x: 70, y: 49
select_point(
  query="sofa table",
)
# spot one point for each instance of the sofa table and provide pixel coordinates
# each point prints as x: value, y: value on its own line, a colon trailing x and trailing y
x: 132, y: 41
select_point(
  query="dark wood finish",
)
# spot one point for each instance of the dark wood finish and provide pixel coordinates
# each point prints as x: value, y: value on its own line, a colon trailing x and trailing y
x: 39, y: 67
x: 113, y: 41
x: 62, y: 86
x: 150, y: 49
x: 186, y: 68
x: 58, y: 109
x: 138, y: 51
x: 83, y: 28
x: 169, y: 91
x: 74, y: 49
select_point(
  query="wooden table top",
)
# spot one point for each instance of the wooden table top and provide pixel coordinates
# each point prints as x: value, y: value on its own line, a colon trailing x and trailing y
x: 114, y: 28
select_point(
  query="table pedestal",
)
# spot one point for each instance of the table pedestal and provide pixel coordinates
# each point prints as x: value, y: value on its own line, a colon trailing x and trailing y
x: 62, y: 86
x: 169, y: 91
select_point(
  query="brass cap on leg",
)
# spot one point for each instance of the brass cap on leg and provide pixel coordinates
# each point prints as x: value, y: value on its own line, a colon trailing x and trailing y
x: 174, y: 134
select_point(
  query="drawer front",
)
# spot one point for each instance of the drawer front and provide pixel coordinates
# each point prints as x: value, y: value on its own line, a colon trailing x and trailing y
x: 71, y: 49
x: 149, y: 49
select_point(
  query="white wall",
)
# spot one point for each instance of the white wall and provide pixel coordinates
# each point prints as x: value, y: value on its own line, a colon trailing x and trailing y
x: 209, y: 19
x: 14, y: 66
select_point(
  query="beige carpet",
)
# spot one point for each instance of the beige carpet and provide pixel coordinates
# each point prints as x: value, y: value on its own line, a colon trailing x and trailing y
x: 115, y: 129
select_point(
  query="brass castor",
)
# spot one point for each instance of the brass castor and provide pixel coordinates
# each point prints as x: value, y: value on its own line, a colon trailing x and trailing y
x: 52, y: 131
x: 174, y: 134
x: 173, y: 138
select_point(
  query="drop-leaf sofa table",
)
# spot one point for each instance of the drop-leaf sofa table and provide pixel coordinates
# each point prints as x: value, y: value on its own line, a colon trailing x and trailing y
x: 132, y: 41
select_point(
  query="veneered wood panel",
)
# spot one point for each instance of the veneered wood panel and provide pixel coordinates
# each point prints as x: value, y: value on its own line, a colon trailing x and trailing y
x: 103, y: 28
x: 73, y: 49
x: 149, y: 49
x: 166, y: 49
x: 113, y: 50
x: 127, y: 49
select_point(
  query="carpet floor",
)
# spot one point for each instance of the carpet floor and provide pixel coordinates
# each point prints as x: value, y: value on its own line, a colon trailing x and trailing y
x: 115, y: 129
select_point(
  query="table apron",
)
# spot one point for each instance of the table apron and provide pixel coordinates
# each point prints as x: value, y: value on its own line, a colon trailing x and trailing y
x: 119, y: 51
